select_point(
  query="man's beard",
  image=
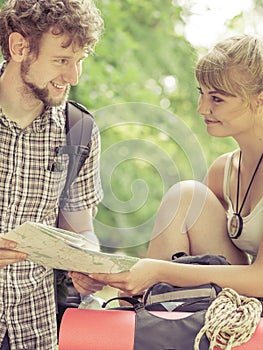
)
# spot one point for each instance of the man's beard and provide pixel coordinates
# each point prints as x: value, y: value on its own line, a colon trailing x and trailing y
x: 30, y: 89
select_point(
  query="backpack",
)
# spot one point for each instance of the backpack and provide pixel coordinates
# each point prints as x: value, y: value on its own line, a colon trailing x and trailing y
x: 79, y: 125
x: 152, y: 331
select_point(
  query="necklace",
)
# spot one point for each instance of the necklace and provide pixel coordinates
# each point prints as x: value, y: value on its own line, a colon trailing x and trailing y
x: 235, y: 223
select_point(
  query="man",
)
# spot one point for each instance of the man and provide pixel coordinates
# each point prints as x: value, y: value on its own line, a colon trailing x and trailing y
x: 43, y: 43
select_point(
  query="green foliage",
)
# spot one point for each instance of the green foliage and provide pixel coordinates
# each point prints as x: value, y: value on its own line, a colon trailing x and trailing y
x: 138, y: 50
x: 144, y: 59
x: 141, y: 51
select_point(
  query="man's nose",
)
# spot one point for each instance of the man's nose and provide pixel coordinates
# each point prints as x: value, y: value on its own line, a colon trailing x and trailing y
x: 72, y: 74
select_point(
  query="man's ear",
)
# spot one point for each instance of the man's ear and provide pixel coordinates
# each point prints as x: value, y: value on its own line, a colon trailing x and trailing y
x: 18, y: 46
x: 260, y: 99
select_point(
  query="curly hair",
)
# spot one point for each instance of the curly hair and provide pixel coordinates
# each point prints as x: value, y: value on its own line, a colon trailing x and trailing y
x: 79, y: 19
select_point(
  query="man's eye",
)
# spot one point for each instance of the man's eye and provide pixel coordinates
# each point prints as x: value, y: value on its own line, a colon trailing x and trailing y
x: 61, y: 61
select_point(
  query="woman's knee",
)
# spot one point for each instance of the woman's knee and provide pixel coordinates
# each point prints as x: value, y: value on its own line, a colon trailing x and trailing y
x: 187, y: 192
x: 182, y: 199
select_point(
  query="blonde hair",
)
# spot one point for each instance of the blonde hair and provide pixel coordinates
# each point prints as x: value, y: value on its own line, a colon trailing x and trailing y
x: 234, y: 66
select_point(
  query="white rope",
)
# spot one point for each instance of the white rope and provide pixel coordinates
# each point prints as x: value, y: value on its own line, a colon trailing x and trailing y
x: 230, y: 320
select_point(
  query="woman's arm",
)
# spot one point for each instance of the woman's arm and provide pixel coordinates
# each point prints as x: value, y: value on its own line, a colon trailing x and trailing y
x: 245, y: 279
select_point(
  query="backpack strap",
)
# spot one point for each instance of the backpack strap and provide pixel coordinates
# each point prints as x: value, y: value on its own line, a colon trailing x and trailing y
x: 79, y: 125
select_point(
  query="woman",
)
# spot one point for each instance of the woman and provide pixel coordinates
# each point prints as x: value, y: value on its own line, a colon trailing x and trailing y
x: 224, y: 215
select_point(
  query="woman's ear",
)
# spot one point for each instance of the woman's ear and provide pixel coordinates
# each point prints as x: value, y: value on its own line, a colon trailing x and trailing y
x: 18, y: 46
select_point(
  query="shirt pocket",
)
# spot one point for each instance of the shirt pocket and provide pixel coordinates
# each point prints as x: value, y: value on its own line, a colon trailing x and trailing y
x: 44, y: 191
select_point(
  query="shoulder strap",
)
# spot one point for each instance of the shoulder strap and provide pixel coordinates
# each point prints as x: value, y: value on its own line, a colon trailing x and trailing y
x: 227, y: 174
x: 79, y: 124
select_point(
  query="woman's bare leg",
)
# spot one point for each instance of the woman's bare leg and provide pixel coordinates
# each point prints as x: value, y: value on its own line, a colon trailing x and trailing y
x: 191, y: 219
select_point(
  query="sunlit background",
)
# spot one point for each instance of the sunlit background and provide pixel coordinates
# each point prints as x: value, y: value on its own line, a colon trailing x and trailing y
x: 146, y: 60
x: 209, y: 20
x: 140, y: 86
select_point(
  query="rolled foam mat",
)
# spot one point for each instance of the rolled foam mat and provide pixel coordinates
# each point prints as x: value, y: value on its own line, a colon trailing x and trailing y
x: 83, y: 329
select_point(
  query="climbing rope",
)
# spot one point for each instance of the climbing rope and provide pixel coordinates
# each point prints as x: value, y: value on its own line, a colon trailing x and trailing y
x: 230, y: 320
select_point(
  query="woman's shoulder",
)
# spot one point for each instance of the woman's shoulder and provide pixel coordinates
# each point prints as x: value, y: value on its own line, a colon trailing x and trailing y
x: 215, y: 175
x: 220, y: 162
x: 218, y: 165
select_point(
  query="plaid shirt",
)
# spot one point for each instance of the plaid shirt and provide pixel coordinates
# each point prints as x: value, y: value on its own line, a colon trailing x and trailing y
x: 30, y: 186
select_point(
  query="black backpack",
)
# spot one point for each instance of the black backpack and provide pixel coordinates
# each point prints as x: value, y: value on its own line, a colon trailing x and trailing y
x: 79, y: 125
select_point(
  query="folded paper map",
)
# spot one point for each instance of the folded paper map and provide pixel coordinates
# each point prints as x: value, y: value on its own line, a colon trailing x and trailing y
x: 60, y: 249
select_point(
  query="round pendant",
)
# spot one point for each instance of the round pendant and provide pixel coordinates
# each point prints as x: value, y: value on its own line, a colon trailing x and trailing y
x: 235, y: 226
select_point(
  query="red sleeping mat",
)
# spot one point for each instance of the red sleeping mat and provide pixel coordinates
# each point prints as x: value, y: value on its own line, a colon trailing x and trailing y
x: 83, y: 329
x: 96, y: 330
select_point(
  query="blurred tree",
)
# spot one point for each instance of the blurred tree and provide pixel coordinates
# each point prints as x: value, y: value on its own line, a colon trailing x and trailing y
x: 139, y: 80
x: 140, y: 58
x: 143, y: 56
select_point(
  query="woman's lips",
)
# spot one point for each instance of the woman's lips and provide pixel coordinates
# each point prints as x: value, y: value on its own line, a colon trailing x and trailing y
x: 210, y: 121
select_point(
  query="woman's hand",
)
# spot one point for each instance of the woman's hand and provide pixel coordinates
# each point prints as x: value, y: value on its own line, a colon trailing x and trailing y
x: 142, y: 275
x: 84, y: 283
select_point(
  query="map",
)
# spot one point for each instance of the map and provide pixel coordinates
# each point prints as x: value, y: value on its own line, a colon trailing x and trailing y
x: 65, y: 250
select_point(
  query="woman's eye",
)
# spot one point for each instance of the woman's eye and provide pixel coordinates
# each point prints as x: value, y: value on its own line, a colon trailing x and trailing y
x: 217, y: 99
x: 200, y: 90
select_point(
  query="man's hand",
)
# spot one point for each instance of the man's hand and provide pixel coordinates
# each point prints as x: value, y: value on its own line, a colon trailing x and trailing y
x: 8, y: 254
x: 84, y: 284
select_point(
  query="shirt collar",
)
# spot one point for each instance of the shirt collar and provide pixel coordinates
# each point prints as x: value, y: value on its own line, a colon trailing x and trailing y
x: 50, y: 114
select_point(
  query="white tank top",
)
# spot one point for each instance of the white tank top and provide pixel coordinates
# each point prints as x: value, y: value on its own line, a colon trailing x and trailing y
x: 252, y: 232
